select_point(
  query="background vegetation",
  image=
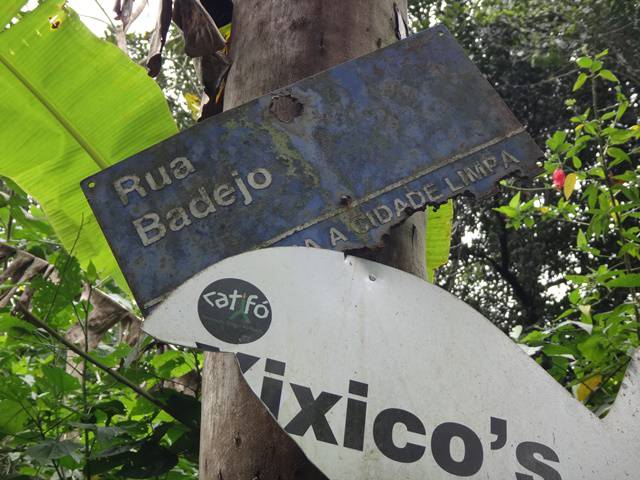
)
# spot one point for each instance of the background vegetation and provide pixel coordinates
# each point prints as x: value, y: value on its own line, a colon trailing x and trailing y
x: 554, y: 263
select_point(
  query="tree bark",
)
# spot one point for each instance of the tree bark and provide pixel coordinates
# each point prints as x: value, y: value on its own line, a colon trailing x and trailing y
x: 273, y: 44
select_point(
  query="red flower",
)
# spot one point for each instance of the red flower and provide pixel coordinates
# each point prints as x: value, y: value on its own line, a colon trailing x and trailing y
x: 558, y: 178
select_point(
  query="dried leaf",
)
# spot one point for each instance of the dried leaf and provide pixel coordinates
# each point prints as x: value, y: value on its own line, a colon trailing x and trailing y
x: 201, y: 35
x: 586, y: 388
x: 212, y: 70
x: 569, y: 185
x: 159, y: 38
x: 123, y: 9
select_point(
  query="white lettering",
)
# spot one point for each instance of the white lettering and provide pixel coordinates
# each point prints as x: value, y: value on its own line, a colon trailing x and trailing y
x: 412, y: 200
x: 243, y: 188
x: 132, y: 184
x: 197, y: 203
x: 224, y: 195
x: 152, y: 224
x: 336, y: 235
x: 400, y: 206
x: 166, y: 180
x: 508, y: 158
x: 379, y: 211
x: 181, y: 167
x: 178, y: 219
x: 266, y: 179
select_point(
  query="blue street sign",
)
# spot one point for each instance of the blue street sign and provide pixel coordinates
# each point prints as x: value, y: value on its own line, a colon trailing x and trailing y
x: 332, y: 161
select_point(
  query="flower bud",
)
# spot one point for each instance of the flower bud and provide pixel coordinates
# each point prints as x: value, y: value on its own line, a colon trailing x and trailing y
x: 558, y: 178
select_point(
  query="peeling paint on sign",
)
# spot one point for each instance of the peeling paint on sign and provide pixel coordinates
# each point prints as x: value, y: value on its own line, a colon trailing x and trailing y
x: 332, y: 161
x: 378, y: 374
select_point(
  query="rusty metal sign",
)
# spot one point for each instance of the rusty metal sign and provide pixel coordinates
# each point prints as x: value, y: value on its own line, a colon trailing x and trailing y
x: 332, y: 161
x: 377, y: 374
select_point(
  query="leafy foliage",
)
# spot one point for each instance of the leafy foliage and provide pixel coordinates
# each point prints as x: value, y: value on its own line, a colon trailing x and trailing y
x: 588, y: 345
x: 526, y: 49
x: 71, y: 117
x: 62, y: 416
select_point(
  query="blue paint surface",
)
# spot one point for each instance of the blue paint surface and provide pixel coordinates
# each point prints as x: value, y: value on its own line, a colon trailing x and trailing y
x: 410, y: 124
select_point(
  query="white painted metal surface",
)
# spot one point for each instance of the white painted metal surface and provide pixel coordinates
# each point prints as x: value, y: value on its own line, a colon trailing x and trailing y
x: 379, y: 375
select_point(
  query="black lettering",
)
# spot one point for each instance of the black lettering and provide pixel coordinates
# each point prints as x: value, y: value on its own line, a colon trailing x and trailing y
x: 312, y: 414
x: 383, y: 435
x: 499, y: 429
x: 356, y: 416
x: 525, y: 453
x: 441, y: 449
x: 271, y: 392
x: 246, y: 361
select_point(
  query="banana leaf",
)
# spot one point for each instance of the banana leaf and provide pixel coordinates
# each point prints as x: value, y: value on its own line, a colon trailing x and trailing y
x: 71, y: 105
x: 8, y: 10
x: 438, y: 237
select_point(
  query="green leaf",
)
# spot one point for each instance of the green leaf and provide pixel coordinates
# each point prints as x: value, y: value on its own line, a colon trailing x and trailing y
x: 151, y: 460
x: 50, y: 298
x: 608, y: 75
x: 109, y: 408
x: 8, y: 10
x: 618, y: 154
x: 113, y: 358
x: 603, y: 53
x: 59, y: 381
x: 596, y: 66
x: 594, y: 348
x: 577, y: 163
x: 556, y: 140
x: 77, y: 104
x: 626, y: 280
x: 438, y: 237
x: 580, y: 81
x: 103, y: 463
x: 584, y: 62
x: 12, y: 416
x: 48, y: 450
x: 578, y: 279
x: 507, y: 211
x: 534, y: 337
x: 622, y: 108
x: 515, y: 201
x: 183, y: 407
x: 581, y: 241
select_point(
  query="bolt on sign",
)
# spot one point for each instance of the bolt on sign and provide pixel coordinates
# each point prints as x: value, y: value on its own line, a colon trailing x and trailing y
x: 378, y: 374
x: 332, y: 161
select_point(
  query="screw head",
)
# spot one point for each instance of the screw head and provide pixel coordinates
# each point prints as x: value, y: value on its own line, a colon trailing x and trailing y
x: 345, y: 200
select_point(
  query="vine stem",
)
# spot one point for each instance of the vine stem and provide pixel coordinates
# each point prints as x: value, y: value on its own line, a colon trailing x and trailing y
x: 85, y: 405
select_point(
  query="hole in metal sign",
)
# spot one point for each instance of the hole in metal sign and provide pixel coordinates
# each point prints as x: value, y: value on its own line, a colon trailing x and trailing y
x: 285, y: 108
x: 54, y: 22
x: 91, y: 184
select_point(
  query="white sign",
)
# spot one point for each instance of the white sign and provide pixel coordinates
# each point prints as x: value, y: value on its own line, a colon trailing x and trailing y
x: 377, y: 374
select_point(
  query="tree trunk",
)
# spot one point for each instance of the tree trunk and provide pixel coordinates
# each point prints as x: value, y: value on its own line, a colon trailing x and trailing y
x: 275, y: 43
